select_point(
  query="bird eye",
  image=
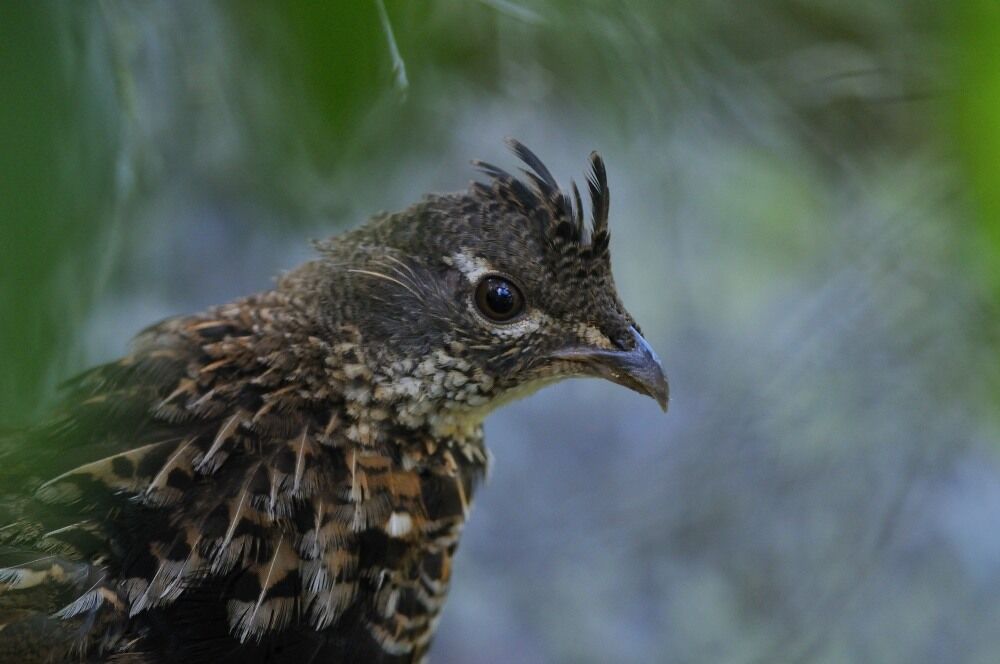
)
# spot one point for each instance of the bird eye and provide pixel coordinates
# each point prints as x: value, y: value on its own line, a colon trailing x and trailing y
x: 498, y: 299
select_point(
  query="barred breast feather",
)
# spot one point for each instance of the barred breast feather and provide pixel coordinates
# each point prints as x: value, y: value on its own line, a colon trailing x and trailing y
x: 212, y: 493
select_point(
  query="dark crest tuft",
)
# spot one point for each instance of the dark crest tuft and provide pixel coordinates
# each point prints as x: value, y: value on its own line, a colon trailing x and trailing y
x: 541, y: 199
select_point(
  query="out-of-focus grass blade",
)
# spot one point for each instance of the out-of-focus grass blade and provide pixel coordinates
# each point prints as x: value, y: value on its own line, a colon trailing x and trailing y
x: 976, y: 50
x: 58, y: 131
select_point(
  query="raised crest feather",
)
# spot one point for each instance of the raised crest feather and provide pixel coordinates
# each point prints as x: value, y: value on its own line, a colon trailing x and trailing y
x: 600, y: 196
x: 540, y: 196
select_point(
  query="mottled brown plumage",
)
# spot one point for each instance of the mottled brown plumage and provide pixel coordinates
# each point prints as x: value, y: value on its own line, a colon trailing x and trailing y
x: 284, y: 478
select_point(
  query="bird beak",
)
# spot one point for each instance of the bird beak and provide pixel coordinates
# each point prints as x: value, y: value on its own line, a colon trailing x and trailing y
x: 638, y: 369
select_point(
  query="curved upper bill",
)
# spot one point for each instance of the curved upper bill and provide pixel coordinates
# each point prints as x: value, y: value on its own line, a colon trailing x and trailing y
x: 638, y: 369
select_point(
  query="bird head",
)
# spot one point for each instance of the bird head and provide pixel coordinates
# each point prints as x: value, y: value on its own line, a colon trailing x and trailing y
x: 466, y: 301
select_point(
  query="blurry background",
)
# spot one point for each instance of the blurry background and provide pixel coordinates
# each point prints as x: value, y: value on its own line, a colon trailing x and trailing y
x: 805, y: 221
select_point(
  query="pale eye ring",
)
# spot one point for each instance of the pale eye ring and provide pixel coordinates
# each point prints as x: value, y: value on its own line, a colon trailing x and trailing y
x: 498, y: 298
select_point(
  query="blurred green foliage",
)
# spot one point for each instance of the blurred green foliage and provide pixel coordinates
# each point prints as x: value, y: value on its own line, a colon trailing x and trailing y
x: 974, y: 53
x: 60, y: 123
x: 973, y: 114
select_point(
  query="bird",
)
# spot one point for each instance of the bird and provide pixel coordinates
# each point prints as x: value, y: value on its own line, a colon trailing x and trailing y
x: 285, y: 477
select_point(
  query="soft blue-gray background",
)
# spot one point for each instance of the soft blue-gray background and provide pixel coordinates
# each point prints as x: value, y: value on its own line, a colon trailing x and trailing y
x: 793, y: 225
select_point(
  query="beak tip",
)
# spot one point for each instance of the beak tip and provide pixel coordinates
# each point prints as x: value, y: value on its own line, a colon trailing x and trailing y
x: 661, y: 392
x: 638, y: 369
x: 650, y: 374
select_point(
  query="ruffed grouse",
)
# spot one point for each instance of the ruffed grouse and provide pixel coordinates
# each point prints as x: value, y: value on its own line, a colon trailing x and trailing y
x: 284, y: 478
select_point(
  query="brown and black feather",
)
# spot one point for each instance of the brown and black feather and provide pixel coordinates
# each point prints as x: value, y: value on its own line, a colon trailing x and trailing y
x: 285, y: 477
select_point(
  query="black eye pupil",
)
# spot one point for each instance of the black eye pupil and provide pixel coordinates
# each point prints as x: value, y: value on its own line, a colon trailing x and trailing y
x: 498, y: 298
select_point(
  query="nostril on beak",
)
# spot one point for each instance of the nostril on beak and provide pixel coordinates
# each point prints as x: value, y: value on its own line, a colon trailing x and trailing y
x: 621, y: 337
